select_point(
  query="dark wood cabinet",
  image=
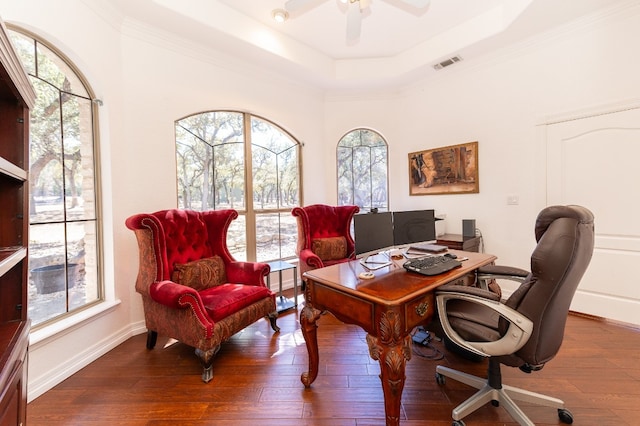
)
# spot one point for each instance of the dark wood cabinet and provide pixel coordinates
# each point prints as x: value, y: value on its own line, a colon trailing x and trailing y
x: 16, y: 98
x: 13, y: 378
x: 458, y: 242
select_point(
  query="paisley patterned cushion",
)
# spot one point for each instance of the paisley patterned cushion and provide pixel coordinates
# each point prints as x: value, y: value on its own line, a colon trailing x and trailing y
x: 200, y: 274
x: 332, y: 248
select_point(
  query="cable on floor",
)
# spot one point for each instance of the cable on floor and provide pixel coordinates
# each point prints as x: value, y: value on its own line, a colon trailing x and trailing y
x: 422, y: 345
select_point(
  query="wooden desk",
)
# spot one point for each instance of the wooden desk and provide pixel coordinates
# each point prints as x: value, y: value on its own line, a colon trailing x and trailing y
x: 387, y: 307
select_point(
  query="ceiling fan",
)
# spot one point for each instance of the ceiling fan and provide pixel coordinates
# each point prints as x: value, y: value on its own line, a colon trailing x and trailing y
x: 355, y: 11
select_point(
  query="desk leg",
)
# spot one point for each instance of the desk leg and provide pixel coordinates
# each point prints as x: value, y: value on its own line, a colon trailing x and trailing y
x: 308, y: 318
x: 392, y: 351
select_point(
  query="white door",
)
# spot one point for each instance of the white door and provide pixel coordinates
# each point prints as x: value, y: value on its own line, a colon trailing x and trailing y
x: 595, y: 162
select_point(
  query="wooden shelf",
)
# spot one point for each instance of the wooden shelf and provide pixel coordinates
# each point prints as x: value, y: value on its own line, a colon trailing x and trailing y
x: 11, y: 66
x: 9, y: 332
x: 10, y: 257
x: 9, y: 169
x: 16, y: 97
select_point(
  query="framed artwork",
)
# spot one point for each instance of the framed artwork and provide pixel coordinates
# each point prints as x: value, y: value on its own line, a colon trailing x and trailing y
x: 447, y: 170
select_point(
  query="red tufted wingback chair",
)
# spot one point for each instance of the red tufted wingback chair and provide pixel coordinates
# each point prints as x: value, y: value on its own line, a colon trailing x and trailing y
x: 192, y: 288
x: 324, y: 235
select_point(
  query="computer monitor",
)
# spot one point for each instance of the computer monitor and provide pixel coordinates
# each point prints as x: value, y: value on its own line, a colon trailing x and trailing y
x: 413, y: 226
x: 372, y: 232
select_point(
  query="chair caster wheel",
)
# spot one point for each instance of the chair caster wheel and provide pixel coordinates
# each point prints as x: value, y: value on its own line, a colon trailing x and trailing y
x: 495, y: 403
x: 565, y: 416
x: 440, y: 379
x: 457, y: 423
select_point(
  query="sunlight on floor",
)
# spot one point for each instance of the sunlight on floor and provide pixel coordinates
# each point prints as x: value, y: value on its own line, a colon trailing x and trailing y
x: 287, y: 341
x: 170, y: 342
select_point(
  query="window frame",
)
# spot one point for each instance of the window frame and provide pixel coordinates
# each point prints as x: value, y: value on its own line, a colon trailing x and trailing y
x: 352, y: 196
x: 97, y: 220
x: 249, y: 213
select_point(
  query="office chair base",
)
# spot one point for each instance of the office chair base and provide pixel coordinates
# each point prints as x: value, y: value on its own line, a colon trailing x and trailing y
x: 506, y: 396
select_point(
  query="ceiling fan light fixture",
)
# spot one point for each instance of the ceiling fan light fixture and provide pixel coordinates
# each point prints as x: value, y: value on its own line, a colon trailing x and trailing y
x: 280, y: 15
x: 356, y: 10
x: 447, y: 62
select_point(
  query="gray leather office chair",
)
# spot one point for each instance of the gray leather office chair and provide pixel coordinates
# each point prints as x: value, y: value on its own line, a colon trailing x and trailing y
x: 527, y: 329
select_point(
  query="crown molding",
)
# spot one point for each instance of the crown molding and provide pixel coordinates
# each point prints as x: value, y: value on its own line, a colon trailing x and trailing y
x: 15, y: 70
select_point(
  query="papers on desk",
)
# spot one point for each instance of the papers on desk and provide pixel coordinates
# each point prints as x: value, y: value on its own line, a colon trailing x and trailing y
x: 427, y: 248
x: 416, y: 254
x: 415, y: 251
x: 376, y: 261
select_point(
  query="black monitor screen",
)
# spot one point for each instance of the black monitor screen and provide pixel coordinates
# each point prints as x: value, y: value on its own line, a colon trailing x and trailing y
x: 372, y: 232
x: 413, y: 227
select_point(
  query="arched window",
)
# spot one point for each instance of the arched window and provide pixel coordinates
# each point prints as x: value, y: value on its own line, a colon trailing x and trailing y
x: 64, y: 239
x: 362, y: 170
x: 230, y: 159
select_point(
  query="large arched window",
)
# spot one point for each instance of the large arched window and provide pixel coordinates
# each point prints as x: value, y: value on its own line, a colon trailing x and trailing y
x: 362, y: 170
x: 230, y: 159
x: 64, y: 242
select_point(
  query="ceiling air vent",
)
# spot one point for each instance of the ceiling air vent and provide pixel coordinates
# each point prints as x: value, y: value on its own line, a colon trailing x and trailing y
x: 447, y: 62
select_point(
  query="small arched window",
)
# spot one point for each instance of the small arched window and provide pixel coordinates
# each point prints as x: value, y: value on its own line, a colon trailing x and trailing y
x: 363, y: 170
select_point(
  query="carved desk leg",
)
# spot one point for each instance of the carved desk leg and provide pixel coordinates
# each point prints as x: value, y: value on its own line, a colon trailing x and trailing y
x: 392, y: 351
x: 308, y: 318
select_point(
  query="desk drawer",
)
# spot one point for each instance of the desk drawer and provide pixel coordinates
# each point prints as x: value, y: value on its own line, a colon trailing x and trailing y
x: 419, y: 310
x: 343, y: 306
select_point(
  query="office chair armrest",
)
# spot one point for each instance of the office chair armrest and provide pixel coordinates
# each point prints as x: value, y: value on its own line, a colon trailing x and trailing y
x: 490, y: 272
x: 516, y: 336
x: 473, y: 291
x: 486, y: 274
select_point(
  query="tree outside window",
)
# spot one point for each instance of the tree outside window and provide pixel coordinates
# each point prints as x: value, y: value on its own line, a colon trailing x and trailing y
x: 362, y: 170
x: 234, y: 160
x: 63, y: 215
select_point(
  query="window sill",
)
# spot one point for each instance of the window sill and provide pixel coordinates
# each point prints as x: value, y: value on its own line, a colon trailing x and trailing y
x: 71, y: 323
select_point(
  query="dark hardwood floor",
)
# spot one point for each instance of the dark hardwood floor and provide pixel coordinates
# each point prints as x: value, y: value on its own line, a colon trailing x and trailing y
x: 257, y: 382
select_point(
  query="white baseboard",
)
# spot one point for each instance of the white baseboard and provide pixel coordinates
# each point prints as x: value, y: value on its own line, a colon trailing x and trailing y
x: 606, y: 306
x: 39, y: 385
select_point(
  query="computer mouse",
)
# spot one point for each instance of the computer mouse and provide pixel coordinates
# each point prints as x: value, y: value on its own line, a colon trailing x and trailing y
x: 450, y: 255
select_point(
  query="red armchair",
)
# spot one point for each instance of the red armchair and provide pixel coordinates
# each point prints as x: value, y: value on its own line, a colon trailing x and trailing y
x: 192, y: 289
x: 324, y: 235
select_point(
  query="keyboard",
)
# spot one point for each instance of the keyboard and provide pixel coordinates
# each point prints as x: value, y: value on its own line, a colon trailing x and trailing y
x: 431, y: 265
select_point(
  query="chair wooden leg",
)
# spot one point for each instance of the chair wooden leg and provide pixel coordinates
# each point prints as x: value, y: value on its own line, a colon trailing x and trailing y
x: 206, y: 360
x: 152, y: 336
x: 272, y: 319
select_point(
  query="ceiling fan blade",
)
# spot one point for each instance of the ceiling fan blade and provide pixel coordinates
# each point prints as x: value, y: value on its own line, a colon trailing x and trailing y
x: 417, y: 3
x: 354, y: 22
x: 293, y: 5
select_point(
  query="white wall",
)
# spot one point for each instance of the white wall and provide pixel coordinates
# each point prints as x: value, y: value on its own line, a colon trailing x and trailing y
x: 499, y: 101
x: 148, y: 80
